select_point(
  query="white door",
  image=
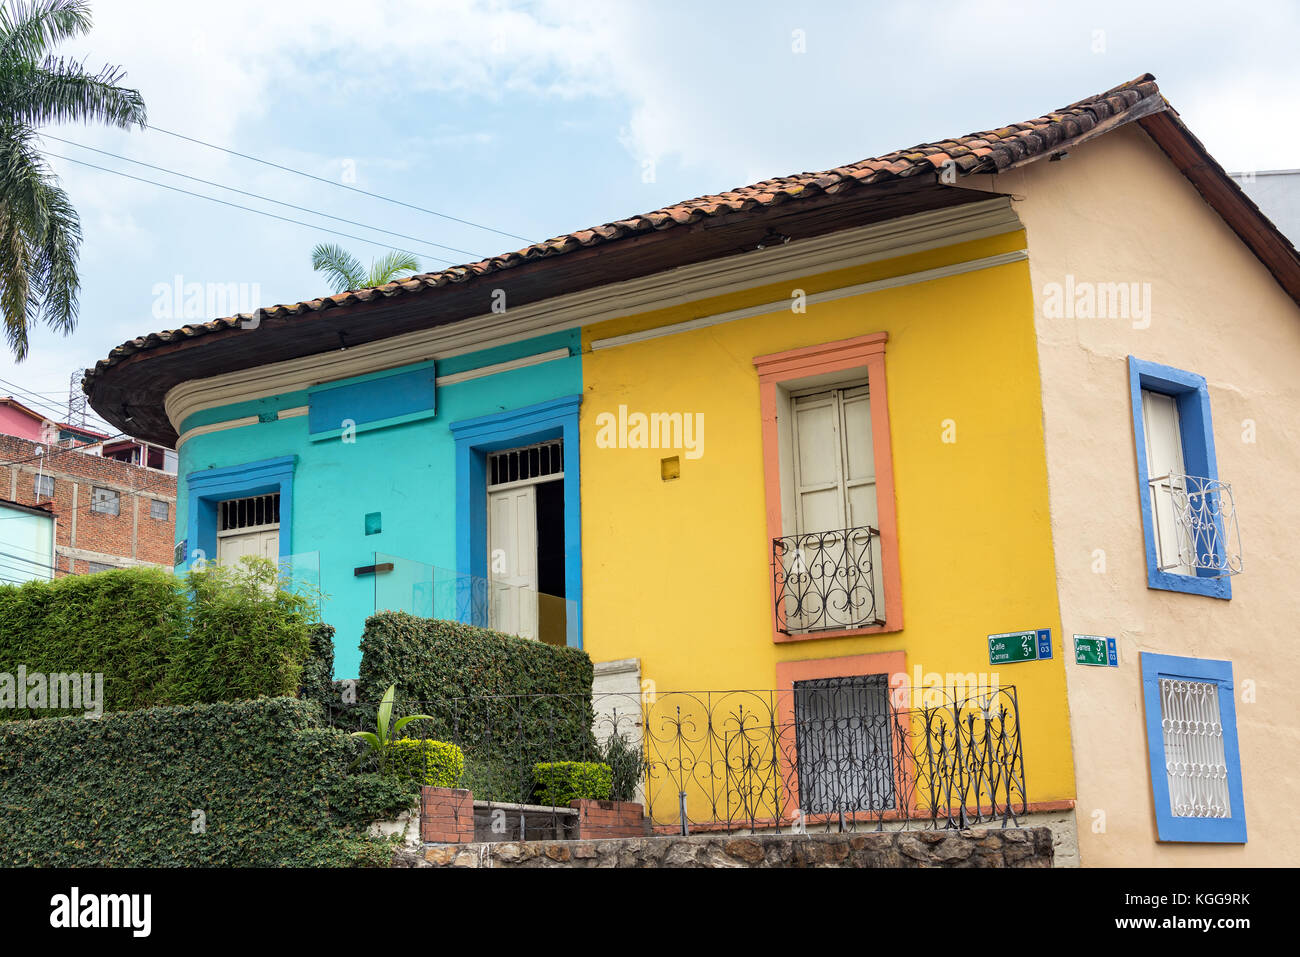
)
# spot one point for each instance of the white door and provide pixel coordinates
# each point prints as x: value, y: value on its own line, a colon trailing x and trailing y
x: 260, y: 542
x: 835, y: 490
x: 512, y: 560
x: 1164, y: 442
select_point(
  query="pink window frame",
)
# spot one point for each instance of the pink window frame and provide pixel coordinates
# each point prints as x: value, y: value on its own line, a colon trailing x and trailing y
x: 843, y: 356
x: 890, y: 663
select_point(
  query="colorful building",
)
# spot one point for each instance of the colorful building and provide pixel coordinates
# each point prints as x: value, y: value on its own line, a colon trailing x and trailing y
x: 830, y: 434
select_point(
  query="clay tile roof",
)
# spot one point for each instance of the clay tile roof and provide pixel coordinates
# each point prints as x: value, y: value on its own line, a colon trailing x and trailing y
x: 981, y: 152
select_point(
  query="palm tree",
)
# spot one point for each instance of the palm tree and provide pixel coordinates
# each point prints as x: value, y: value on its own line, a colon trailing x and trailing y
x: 346, y: 272
x: 40, y: 233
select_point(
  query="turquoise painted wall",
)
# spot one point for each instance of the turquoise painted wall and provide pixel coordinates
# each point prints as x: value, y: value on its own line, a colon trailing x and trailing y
x: 405, y: 472
x: 26, y: 546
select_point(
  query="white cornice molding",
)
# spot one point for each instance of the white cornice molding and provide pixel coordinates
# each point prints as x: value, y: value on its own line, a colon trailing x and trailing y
x: 827, y: 295
x: 839, y: 250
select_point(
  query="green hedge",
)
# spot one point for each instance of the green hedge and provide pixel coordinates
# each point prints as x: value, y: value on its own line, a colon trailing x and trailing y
x: 560, y: 782
x: 123, y: 624
x: 222, y: 634
x: 272, y: 786
x: 317, y: 681
x: 435, y: 763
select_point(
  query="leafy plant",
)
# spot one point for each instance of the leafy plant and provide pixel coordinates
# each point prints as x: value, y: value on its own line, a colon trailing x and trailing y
x: 627, y: 764
x: 560, y: 782
x: 345, y: 271
x: 40, y: 231
x: 436, y: 764
x: 379, y: 739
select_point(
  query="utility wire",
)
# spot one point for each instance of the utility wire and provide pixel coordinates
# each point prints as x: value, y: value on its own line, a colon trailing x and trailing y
x: 249, y: 209
x: 241, y: 192
x: 37, y: 399
x: 321, y: 179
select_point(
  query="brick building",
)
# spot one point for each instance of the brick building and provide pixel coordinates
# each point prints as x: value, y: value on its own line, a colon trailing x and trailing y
x: 107, y: 514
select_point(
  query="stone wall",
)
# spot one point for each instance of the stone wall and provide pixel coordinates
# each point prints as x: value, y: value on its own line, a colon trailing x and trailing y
x: 995, y: 847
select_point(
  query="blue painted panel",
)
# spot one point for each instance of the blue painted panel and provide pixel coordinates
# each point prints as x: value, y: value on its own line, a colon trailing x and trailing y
x: 1231, y: 830
x: 1193, y: 397
x: 388, y: 398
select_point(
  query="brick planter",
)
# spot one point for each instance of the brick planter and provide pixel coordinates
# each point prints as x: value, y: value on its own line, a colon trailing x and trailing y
x: 446, y: 815
x: 600, y: 819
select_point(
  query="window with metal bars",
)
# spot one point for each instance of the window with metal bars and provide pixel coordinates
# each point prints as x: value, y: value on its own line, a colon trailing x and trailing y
x: 1195, y: 759
x: 531, y: 462
x: 843, y: 734
x: 240, y: 513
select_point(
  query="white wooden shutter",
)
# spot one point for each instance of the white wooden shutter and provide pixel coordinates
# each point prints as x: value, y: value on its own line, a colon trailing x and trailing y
x: 1164, y: 448
x: 835, y: 471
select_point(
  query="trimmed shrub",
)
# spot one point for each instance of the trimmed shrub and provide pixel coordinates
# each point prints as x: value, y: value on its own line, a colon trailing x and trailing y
x: 560, y: 782
x: 222, y: 634
x: 122, y: 624
x: 249, y: 783
x: 508, y: 702
x: 433, y: 763
x: 317, y: 681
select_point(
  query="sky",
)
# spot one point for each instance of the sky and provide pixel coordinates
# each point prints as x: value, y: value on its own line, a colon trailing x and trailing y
x: 538, y: 118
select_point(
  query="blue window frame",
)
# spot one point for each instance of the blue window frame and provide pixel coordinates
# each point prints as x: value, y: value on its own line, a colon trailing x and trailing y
x: 1165, y: 680
x: 209, y: 487
x: 1192, y: 396
x: 475, y: 439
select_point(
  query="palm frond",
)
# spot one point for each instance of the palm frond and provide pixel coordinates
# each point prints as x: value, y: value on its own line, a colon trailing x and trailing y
x: 61, y: 91
x: 395, y: 265
x: 29, y: 29
x: 342, y: 268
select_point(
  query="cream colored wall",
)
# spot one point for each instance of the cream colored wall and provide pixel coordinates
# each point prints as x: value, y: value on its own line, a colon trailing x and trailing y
x: 1117, y: 211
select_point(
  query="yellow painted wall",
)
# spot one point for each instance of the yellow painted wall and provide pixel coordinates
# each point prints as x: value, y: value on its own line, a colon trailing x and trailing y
x: 678, y: 572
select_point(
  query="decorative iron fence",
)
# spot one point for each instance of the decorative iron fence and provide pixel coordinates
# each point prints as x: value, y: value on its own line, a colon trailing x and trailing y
x: 826, y: 580
x: 841, y: 753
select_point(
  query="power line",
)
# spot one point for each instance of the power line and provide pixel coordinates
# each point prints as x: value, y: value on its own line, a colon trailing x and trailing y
x: 354, y: 189
x: 241, y: 192
x: 43, y: 405
x: 248, y: 209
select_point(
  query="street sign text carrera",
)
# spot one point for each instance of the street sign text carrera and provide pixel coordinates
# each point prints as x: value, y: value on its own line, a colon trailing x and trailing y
x: 1016, y: 646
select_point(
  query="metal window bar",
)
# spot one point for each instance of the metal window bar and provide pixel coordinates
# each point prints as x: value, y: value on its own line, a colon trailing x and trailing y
x: 528, y: 462
x: 1194, y: 757
x: 257, y: 510
x: 825, y: 580
x: 1203, y: 516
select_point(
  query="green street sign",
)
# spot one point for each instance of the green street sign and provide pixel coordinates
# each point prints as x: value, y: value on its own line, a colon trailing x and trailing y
x: 1096, y: 650
x: 1012, y: 647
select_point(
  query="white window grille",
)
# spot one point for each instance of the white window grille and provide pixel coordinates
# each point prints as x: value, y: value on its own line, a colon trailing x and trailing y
x: 1194, y: 757
x: 44, y: 486
x: 530, y: 462
x: 239, y: 513
x: 1198, y: 517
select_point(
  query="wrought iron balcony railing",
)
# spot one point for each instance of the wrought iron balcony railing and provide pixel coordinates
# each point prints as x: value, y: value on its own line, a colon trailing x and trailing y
x: 1197, y: 517
x: 826, y: 580
x: 843, y: 753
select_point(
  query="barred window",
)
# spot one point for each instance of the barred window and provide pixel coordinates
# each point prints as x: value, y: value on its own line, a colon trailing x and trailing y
x: 43, y: 487
x: 106, y: 501
x: 1194, y: 756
